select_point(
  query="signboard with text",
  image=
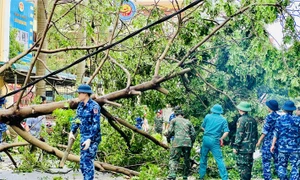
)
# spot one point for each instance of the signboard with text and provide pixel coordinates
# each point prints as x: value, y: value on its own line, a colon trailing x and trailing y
x: 21, y: 19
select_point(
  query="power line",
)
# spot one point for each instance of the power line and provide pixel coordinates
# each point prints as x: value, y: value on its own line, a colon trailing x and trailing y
x: 106, y: 47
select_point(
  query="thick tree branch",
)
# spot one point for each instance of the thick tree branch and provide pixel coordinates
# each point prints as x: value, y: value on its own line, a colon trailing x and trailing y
x: 15, y: 59
x: 124, y: 69
x: 54, y: 151
x: 188, y: 89
x: 112, y: 103
x: 47, y: 51
x: 12, y: 116
x: 4, y: 147
x: 214, y: 88
x: 163, y: 55
x: 133, y: 128
x: 109, y: 46
x: 11, y: 158
x: 112, y: 121
x: 162, y: 90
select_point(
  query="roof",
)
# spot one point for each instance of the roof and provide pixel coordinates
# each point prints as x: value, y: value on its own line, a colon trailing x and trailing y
x: 61, y: 78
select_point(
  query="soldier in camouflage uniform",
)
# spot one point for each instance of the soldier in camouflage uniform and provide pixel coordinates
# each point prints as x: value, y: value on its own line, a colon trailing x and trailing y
x: 184, y: 137
x: 245, y: 141
x: 287, y: 136
x: 88, y: 115
x: 267, y: 137
x: 158, y: 122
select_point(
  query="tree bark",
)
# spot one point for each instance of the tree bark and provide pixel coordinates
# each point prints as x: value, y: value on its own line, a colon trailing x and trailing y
x: 81, y: 36
x: 41, y: 25
x: 14, y: 116
x: 133, y: 128
x: 51, y: 150
x: 4, y: 147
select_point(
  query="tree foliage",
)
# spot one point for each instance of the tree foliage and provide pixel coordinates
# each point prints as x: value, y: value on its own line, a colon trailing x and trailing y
x: 237, y: 61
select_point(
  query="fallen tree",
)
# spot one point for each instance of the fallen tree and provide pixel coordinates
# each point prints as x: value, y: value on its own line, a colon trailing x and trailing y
x: 15, y: 115
x: 54, y: 151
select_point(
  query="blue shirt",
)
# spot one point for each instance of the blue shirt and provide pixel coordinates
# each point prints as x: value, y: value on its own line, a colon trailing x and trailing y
x: 3, y: 126
x: 215, y: 125
x: 268, y: 130
x: 35, y: 125
x: 139, y: 123
x: 88, y: 121
x: 287, y: 132
x: 172, y: 116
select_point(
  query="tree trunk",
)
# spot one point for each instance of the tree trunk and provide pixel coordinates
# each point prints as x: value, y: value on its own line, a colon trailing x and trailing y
x: 81, y: 36
x: 51, y: 150
x: 14, y: 116
x: 40, y: 66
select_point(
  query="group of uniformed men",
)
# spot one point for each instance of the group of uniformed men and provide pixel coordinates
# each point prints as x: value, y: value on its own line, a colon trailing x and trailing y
x: 283, y: 131
x: 280, y: 140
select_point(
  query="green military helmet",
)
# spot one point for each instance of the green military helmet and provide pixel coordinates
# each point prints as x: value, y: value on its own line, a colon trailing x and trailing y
x: 244, y: 106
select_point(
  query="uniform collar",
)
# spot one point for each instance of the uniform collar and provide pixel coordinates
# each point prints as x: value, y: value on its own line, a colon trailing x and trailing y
x: 244, y: 115
x: 87, y: 103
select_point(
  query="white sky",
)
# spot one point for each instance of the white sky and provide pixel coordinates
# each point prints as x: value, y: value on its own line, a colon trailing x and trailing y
x: 276, y: 29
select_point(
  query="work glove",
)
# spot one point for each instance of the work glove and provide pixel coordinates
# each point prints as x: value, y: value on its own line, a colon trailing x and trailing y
x: 86, y: 144
x: 71, y: 136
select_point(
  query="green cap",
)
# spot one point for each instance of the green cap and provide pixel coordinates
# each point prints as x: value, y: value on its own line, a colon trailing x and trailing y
x: 244, y: 106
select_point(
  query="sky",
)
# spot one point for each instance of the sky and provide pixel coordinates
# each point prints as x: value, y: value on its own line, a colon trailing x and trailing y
x: 275, y: 29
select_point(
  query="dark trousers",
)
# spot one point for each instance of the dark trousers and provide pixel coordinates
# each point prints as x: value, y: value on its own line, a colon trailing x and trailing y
x: 175, y: 155
x: 245, y: 163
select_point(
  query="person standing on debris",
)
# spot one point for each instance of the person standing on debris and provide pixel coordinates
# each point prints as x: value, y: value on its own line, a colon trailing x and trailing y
x: 184, y: 137
x: 266, y: 138
x: 216, y: 130
x: 3, y: 126
x: 245, y: 140
x: 287, y: 137
x: 88, y: 121
x: 158, y: 122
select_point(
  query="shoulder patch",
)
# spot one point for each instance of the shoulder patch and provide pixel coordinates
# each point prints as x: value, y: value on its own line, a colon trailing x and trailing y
x: 95, y: 110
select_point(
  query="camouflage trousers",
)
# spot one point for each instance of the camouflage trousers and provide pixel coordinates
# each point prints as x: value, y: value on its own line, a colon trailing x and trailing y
x: 158, y: 130
x: 283, y: 159
x: 245, y: 162
x: 267, y: 157
x: 87, y: 161
x: 175, y: 154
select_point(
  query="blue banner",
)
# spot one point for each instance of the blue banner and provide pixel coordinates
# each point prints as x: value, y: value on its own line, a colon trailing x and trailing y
x: 21, y: 19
